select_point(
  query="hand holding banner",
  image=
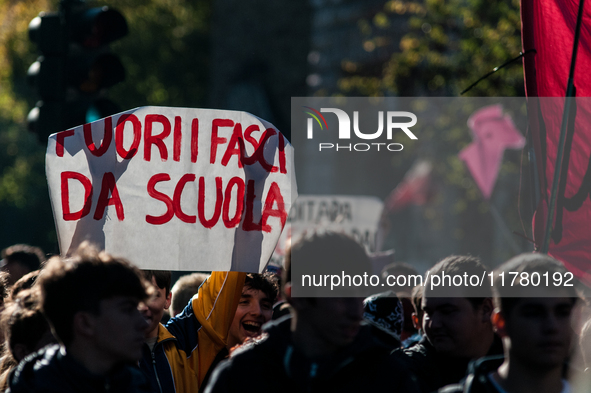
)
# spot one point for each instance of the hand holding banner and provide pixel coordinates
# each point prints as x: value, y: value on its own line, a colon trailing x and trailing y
x: 173, y: 188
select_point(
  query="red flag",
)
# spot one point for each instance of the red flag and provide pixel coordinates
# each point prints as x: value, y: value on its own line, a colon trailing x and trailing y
x: 548, y: 26
x: 415, y: 188
x: 493, y: 133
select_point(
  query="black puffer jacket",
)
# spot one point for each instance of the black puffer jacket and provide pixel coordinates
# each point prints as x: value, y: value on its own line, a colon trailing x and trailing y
x: 51, y: 371
x: 434, y: 370
x: 274, y: 365
x: 477, y: 380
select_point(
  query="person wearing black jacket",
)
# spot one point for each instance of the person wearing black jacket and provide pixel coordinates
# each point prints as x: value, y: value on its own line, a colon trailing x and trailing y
x: 323, y: 346
x: 457, y: 326
x: 91, y: 303
x: 533, y: 317
x: 365, y: 365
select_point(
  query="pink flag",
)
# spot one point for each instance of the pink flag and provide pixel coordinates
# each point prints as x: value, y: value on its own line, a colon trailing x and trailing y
x: 493, y: 133
x: 415, y: 188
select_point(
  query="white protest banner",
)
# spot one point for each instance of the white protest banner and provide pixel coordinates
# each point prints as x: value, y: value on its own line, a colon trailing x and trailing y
x: 357, y: 216
x: 173, y: 188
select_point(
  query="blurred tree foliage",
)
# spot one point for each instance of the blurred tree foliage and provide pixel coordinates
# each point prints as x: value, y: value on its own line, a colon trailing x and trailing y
x: 166, y: 60
x: 446, y: 46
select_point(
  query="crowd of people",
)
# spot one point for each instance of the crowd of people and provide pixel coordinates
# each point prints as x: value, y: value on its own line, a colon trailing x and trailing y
x: 92, y: 322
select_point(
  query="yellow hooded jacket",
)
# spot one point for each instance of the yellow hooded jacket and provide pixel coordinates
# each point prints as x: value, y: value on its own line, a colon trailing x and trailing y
x: 187, y: 346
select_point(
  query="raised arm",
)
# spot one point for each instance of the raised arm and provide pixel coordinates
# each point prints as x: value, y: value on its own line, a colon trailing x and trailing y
x: 202, y: 328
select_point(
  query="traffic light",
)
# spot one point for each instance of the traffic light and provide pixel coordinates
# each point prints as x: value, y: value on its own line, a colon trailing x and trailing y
x: 75, y: 68
x: 48, y: 73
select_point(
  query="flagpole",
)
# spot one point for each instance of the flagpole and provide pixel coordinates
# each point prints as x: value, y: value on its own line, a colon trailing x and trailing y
x: 570, y: 94
x: 504, y: 229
